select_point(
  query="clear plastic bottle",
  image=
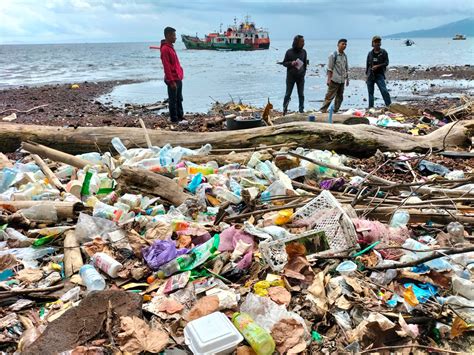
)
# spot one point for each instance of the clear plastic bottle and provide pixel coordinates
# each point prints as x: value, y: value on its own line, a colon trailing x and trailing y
x: 456, y: 231
x: 400, y: 219
x: 119, y: 146
x: 107, y: 264
x: 91, y: 278
x: 106, y: 211
x: 226, y: 195
x: 8, y: 176
x: 165, y: 158
x: 296, y: 172
x: 259, y: 339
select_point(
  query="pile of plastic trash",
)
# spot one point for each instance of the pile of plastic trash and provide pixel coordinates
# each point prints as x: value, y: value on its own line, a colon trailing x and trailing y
x: 283, y: 255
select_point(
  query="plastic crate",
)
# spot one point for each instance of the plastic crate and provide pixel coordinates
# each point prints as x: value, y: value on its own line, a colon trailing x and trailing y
x: 325, y: 215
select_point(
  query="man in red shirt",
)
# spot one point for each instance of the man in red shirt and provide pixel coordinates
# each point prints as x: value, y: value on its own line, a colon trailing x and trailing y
x: 173, y: 75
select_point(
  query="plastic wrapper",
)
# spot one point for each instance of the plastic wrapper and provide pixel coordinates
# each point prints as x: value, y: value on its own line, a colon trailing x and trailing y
x: 267, y: 313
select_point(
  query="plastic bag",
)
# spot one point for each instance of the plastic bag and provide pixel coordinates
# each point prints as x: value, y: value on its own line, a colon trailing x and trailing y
x: 161, y: 252
x: 267, y: 313
x: 88, y: 227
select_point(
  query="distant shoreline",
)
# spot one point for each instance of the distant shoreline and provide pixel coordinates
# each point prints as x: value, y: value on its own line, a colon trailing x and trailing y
x: 402, y: 72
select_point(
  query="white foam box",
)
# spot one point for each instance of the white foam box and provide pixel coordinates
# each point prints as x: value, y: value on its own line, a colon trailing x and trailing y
x: 212, y: 334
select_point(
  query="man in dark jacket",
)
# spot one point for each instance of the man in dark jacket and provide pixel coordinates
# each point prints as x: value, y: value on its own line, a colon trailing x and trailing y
x: 173, y: 75
x: 377, y: 62
x: 295, y: 61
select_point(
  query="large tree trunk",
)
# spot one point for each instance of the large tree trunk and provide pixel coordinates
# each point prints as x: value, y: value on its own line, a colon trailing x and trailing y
x: 354, y: 140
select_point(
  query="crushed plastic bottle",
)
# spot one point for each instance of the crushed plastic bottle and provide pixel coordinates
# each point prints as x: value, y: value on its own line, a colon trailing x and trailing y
x: 456, y: 231
x: 8, y: 176
x: 259, y: 339
x: 400, y: 219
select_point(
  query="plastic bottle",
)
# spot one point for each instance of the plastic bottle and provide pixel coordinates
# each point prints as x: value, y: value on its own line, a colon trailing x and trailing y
x: 331, y: 110
x: 106, y: 211
x: 204, y: 170
x: 254, y: 160
x: 399, y: 219
x: 265, y: 170
x: 235, y: 187
x: 296, y: 172
x: 8, y: 177
x: 107, y: 264
x: 91, y: 278
x: 195, y: 182
x: 259, y: 339
x: 92, y: 157
x: 456, y: 231
x: 226, y: 195
x: 119, y: 146
x: 64, y: 172
x: 193, y: 259
x: 71, y: 295
x: 165, y: 158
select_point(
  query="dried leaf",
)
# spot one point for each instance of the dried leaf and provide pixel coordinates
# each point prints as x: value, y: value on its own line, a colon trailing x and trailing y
x: 245, y: 350
x: 459, y: 327
x: 317, y: 294
x: 410, y: 297
x: 170, y: 306
x: 408, y: 330
x: 203, y: 307
x: 183, y: 241
x: 289, y: 336
x: 343, y: 303
x: 30, y: 275
x: 7, y: 261
x: 280, y: 295
x: 137, y: 336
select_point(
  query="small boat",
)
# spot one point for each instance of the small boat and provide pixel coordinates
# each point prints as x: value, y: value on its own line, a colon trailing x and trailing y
x: 155, y: 47
x: 243, y: 37
x: 459, y: 37
x: 408, y: 42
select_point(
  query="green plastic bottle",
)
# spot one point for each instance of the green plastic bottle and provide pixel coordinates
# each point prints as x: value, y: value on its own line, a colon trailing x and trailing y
x: 258, y: 338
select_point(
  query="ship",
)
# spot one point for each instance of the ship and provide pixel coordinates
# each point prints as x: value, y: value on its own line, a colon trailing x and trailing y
x: 459, y: 37
x: 243, y: 37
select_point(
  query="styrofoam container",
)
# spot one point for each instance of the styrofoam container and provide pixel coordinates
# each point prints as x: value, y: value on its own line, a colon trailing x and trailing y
x: 212, y: 334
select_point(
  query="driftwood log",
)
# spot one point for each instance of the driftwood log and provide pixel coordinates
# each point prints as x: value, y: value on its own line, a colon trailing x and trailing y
x: 72, y: 254
x: 64, y: 210
x: 362, y: 140
x: 150, y: 183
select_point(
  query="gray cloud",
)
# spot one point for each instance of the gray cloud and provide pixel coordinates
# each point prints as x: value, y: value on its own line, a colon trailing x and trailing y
x: 143, y: 20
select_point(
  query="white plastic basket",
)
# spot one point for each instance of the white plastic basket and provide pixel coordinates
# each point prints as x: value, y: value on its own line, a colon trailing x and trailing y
x: 324, y: 214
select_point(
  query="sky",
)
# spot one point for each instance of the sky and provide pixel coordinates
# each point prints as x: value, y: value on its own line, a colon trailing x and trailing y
x: 87, y: 21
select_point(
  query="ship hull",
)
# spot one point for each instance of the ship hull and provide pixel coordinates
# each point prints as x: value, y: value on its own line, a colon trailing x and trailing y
x: 191, y: 42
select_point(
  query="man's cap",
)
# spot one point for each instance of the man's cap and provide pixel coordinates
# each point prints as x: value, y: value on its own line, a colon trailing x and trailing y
x: 376, y: 38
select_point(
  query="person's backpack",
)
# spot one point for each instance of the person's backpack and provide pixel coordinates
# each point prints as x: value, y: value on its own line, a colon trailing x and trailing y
x: 335, y: 59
